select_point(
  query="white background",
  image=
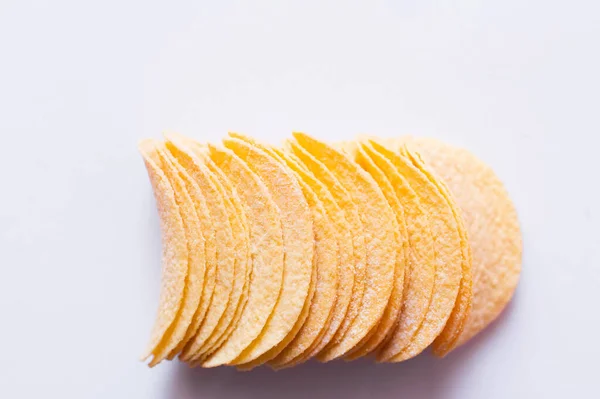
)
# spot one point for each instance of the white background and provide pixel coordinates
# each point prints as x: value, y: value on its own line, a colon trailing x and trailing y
x: 82, y: 81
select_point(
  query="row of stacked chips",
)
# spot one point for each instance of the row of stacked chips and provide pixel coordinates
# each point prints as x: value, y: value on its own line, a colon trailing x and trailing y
x: 275, y: 255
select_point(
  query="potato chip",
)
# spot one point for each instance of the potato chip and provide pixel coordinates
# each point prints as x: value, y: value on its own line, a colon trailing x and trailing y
x: 492, y: 226
x: 420, y: 275
x: 196, y: 254
x: 298, y: 242
x: 243, y: 268
x: 448, y: 338
x: 204, y: 223
x: 266, y: 241
x: 375, y: 216
x: 243, y: 265
x: 223, y: 259
x: 342, y: 228
x: 326, y: 182
x: 215, y: 297
x: 448, y: 257
x: 276, y: 155
x: 392, y: 310
x: 326, y: 261
x: 175, y: 250
x: 197, y: 223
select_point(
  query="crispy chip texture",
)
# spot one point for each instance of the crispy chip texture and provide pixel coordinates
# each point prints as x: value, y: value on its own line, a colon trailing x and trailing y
x: 394, y: 306
x: 378, y: 231
x: 243, y: 268
x: 266, y: 240
x: 274, y: 255
x: 326, y: 265
x: 176, y: 307
x: 298, y: 246
x: 344, y: 202
x: 448, y: 257
x: 346, y: 261
x: 448, y: 338
x: 196, y: 221
x: 175, y: 251
x: 419, y: 288
x: 491, y: 223
x: 208, y: 322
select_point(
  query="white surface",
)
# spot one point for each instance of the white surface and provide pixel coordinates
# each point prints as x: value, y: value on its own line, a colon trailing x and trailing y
x: 81, y: 83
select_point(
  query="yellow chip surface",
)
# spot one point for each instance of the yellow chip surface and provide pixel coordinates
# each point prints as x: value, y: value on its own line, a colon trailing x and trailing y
x: 175, y: 249
x: 326, y: 262
x: 448, y: 338
x: 266, y: 242
x: 243, y: 266
x: 448, y: 256
x: 200, y: 242
x: 491, y: 223
x: 298, y: 245
x: 392, y: 310
x: 342, y: 231
x: 219, y: 281
x: 420, y: 275
x: 208, y: 321
x: 339, y: 205
x: 191, y: 205
x: 378, y: 232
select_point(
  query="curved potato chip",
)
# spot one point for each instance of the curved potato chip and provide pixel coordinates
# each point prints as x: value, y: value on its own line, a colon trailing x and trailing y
x: 392, y: 310
x: 448, y: 257
x: 243, y: 268
x: 492, y: 226
x: 326, y: 259
x: 345, y: 259
x: 298, y: 241
x: 196, y: 221
x: 339, y: 205
x: 448, y: 338
x: 204, y: 224
x: 208, y: 323
x: 196, y: 256
x: 266, y: 242
x: 420, y: 275
x: 175, y: 249
x: 375, y: 216
x: 276, y: 155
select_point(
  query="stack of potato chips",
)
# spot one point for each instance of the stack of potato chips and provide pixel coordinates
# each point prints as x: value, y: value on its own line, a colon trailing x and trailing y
x: 275, y: 255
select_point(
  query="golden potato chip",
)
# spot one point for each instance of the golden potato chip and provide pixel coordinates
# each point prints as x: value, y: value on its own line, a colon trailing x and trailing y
x: 392, y: 310
x: 175, y: 250
x: 223, y: 261
x: 197, y: 223
x: 326, y: 261
x: 492, y: 226
x: 345, y: 260
x: 295, y: 330
x: 448, y: 338
x: 334, y: 197
x: 272, y: 151
x: 378, y: 231
x: 420, y: 274
x: 298, y: 242
x: 216, y: 298
x: 196, y: 256
x: 241, y: 236
x: 448, y: 257
x: 266, y: 241
x: 208, y: 234
x: 243, y: 265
